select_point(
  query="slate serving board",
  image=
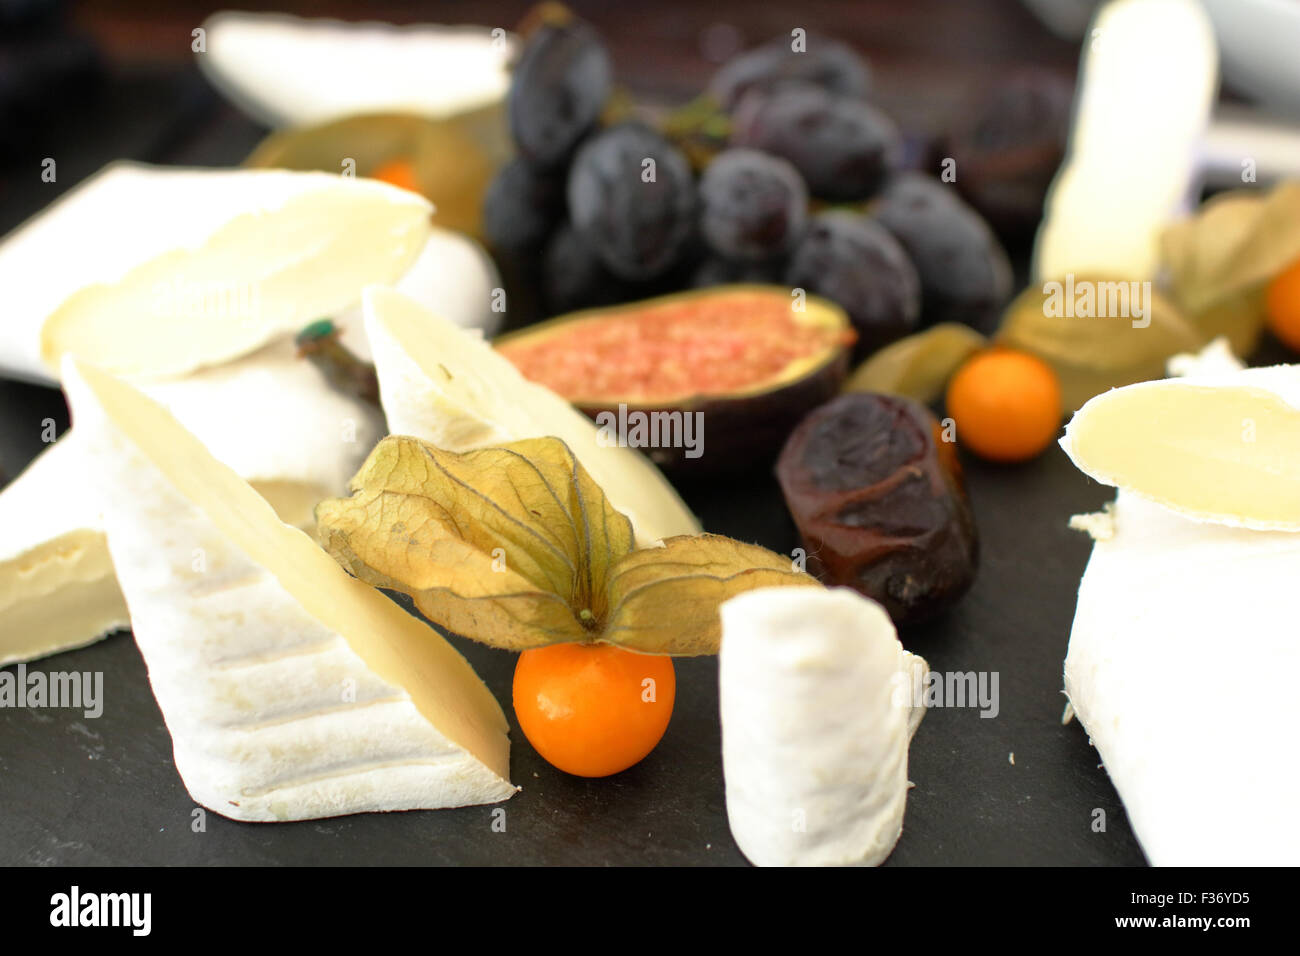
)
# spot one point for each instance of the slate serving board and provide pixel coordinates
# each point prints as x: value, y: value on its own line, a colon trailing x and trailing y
x: 104, y: 791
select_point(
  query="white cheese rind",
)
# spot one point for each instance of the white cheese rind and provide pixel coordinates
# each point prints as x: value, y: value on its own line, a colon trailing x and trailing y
x: 817, y: 715
x: 446, y: 386
x: 129, y: 215
x: 270, y: 416
x: 285, y: 70
x: 1182, y: 642
x: 453, y: 277
x: 1148, y: 80
x: 291, y: 690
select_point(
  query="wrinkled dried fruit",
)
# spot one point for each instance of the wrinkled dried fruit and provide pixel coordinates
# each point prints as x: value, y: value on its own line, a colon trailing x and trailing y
x: 919, y: 366
x: 1091, y: 353
x: 878, y: 498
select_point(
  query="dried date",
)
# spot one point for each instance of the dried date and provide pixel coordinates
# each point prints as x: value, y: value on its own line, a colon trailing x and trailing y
x: 878, y: 498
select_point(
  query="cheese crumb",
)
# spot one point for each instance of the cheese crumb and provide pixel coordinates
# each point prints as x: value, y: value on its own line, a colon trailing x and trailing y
x: 1099, y: 524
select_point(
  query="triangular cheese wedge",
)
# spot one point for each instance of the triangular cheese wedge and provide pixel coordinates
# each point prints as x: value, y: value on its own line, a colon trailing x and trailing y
x: 289, y: 71
x: 57, y: 586
x: 1179, y: 629
x: 291, y: 690
x: 270, y: 416
x: 447, y: 386
x: 1220, y: 446
x: 158, y: 271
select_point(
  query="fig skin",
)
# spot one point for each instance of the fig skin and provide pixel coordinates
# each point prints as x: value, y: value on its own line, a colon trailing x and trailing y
x: 740, y: 430
x: 880, y: 504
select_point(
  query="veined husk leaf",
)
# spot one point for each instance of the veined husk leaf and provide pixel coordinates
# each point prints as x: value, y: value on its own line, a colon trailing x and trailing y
x: 918, y: 366
x: 669, y: 596
x: 1233, y: 246
x: 517, y: 547
x: 1094, y: 353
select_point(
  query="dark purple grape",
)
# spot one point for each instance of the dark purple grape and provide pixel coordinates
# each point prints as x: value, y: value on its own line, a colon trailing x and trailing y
x: 558, y: 91
x: 752, y: 206
x: 827, y: 63
x: 718, y: 271
x: 632, y: 200
x: 1007, y: 148
x: 843, y: 147
x: 521, y: 207
x: 965, y: 273
x: 855, y: 262
x: 573, y: 277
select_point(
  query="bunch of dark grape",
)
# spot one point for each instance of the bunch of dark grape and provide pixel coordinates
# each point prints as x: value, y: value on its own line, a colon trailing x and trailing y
x: 781, y: 173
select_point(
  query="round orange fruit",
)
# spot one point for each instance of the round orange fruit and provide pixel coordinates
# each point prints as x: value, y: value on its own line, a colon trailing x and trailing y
x: 1282, y: 306
x: 1006, y: 404
x: 593, y: 709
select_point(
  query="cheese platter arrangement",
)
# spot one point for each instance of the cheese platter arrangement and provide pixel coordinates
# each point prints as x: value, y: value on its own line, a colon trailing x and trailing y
x: 514, y: 473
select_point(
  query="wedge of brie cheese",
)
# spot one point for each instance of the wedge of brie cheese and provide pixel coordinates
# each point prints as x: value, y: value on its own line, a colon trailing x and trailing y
x: 818, y: 709
x: 57, y: 586
x: 290, y: 71
x: 270, y: 416
x: 1148, y: 80
x: 447, y: 386
x: 159, y: 271
x: 291, y: 690
x: 1182, y: 642
x: 1220, y: 445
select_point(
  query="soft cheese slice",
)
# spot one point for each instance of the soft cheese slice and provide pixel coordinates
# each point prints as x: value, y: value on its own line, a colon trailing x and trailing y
x: 453, y: 276
x: 157, y: 270
x: 1178, y: 630
x: 57, y: 586
x: 290, y: 689
x: 1148, y: 81
x: 270, y: 416
x: 1221, y: 447
x: 447, y: 386
x: 817, y: 714
x: 289, y: 71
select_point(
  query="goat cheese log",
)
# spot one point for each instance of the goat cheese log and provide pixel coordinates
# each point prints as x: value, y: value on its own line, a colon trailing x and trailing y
x: 817, y: 714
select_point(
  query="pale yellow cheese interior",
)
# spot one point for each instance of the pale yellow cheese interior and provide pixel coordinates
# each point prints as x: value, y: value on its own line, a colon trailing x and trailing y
x: 1225, y: 453
x: 260, y: 275
x: 397, y: 647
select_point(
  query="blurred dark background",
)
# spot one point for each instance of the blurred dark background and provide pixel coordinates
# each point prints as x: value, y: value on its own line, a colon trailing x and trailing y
x: 93, y: 81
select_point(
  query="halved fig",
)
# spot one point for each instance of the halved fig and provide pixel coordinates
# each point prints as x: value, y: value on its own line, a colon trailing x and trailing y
x: 751, y: 360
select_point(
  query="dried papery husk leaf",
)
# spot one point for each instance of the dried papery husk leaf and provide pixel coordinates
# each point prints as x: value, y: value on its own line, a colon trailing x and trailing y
x: 1093, y: 354
x: 666, y: 600
x: 1234, y: 245
x: 918, y: 366
x: 507, y: 545
x: 453, y: 159
x: 1239, y: 319
x: 515, y: 546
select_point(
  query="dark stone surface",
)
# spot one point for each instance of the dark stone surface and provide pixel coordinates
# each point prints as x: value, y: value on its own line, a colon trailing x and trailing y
x: 104, y: 791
